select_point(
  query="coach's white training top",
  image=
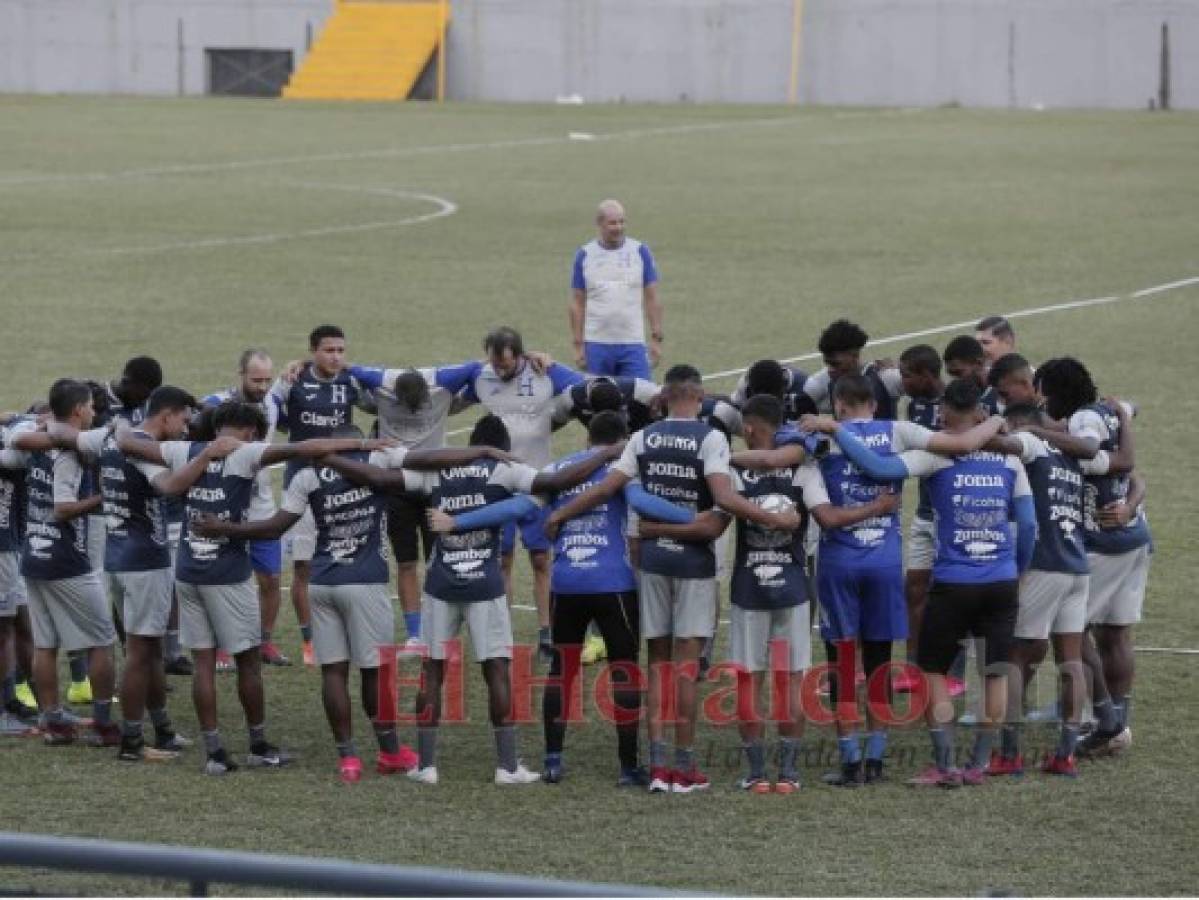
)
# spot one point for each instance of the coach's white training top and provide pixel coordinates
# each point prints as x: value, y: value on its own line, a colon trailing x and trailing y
x: 614, y: 281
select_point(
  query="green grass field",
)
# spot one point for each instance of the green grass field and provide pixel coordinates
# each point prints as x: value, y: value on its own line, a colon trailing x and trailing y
x: 192, y: 229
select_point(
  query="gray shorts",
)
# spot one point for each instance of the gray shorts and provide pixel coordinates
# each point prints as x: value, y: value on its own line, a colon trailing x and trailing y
x: 350, y: 622
x: 678, y: 607
x: 300, y: 539
x: 144, y: 599
x: 1051, y: 603
x: 488, y: 622
x: 224, y: 616
x: 1117, y: 587
x: 97, y: 537
x: 921, y: 548
x: 12, y: 585
x: 70, y: 613
x: 751, y: 632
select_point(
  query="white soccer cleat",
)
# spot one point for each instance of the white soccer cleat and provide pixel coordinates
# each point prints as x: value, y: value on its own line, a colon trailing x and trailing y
x: 427, y: 775
x: 520, y: 775
x: 1120, y: 742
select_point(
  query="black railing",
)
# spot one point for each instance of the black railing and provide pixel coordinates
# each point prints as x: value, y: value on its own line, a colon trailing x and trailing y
x: 200, y: 867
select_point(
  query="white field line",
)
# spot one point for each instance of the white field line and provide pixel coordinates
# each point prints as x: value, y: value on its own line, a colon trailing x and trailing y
x: 443, y: 208
x: 967, y: 325
x: 435, y: 149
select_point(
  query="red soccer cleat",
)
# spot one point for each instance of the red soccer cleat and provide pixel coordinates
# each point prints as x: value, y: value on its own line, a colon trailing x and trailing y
x: 349, y: 769
x: 688, y: 782
x: 271, y: 655
x: 309, y: 655
x: 403, y: 760
x: 934, y: 777
x: 1002, y: 765
x: 973, y: 776
x: 1060, y: 765
x: 660, y: 778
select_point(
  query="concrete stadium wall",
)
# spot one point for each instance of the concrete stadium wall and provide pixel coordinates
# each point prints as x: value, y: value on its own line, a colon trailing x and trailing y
x: 998, y: 53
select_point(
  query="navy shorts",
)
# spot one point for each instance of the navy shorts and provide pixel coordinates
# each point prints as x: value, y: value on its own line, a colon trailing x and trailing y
x: 861, y: 603
x: 532, y: 532
x: 617, y: 360
x: 266, y: 557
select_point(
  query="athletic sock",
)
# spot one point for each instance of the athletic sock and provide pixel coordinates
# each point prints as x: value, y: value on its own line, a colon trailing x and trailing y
x: 426, y: 746
x: 1105, y: 712
x: 412, y: 624
x: 1009, y: 741
x: 876, y: 745
x: 755, y: 755
x: 306, y: 633
x: 788, y: 753
x: 102, y: 712
x: 1124, y: 705
x: 684, y: 758
x: 171, y: 648
x: 131, y: 731
x: 545, y: 637
x: 78, y: 663
x: 850, y: 751
x: 942, y: 740
x: 657, y: 754
x: 257, y: 734
x: 161, y: 720
x: 212, y: 741
x: 387, y: 736
x: 266, y: 636
x: 553, y: 760
x: 8, y: 692
x: 346, y: 748
x: 505, y: 747
x: 984, y: 738
x: 1068, y: 740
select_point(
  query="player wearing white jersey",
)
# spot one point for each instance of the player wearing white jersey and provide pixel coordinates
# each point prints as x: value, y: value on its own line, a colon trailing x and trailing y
x: 614, y: 286
x: 511, y: 388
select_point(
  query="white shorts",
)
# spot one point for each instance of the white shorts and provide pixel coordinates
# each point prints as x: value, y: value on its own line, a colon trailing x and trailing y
x: 921, y: 547
x: 300, y: 539
x: 752, y: 631
x: 1051, y: 603
x: 12, y: 585
x: 70, y: 613
x: 488, y: 622
x: 678, y: 607
x: 1117, y: 587
x: 144, y: 599
x: 223, y: 616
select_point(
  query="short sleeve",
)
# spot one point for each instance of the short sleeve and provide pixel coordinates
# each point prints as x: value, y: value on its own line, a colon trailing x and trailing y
x: 627, y: 464
x: 389, y: 458
x: 892, y: 381
x: 649, y: 268
x: 738, y: 396
x: 90, y: 443
x: 148, y: 469
x: 910, y: 436
x: 516, y: 478
x: 1086, y: 423
x: 714, y: 452
x: 578, y: 281
x: 174, y: 453
x: 246, y: 460
x: 1100, y: 464
x: 920, y: 463
x: 644, y: 391
x: 68, y: 476
x: 1021, y: 487
x: 295, y: 498
x: 1031, y: 446
x: 737, y: 480
x: 811, y: 484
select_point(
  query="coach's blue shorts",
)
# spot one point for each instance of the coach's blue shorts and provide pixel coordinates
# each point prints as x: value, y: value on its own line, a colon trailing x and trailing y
x: 266, y: 557
x: 532, y: 532
x: 628, y: 360
x: 861, y: 603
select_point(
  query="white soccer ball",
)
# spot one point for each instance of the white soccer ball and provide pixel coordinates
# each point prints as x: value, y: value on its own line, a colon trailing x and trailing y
x: 776, y: 503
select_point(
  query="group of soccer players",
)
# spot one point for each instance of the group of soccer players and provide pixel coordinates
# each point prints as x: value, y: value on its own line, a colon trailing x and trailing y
x: 130, y: 506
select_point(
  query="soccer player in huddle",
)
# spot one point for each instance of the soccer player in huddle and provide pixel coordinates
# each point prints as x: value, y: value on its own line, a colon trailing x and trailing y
x: 964, y: 358
x: 255, y: 372
x: 686, y: 461
x: 859, y: 580
x: 1118, y: 544
x: 464, y: 584
x: 67, y: 604
x: 318, y: 401
x: 841, y: 345
x: 1011, y: 377
x: 996, y: 336
x: 976, y: 497
x: 770, y: 377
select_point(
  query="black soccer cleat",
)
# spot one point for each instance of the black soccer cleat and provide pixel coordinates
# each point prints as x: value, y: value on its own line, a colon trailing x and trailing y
x: 850, y: 775
x: 874, y: 771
